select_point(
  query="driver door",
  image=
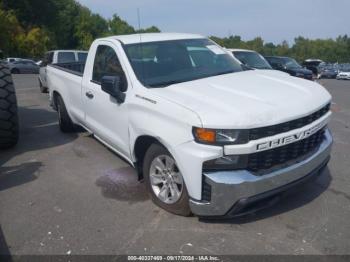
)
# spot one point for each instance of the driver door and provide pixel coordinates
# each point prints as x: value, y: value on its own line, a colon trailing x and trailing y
x: 107, y: 118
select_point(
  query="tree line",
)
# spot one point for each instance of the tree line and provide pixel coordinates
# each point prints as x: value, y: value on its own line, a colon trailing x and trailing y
x: 28, y: 28
x: 329, y: 50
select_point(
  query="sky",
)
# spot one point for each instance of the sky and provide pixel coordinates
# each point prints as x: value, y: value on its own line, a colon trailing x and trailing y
x: 273, y: 20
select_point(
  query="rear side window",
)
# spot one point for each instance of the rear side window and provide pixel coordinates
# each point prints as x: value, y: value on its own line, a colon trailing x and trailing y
x: 106, y: 64
x: 50, y: 57
x: 65, y: 57
x: 82, y: 57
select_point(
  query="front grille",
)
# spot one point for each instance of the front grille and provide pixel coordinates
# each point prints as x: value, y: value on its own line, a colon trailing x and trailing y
x: 267, y: 159
x: 262, y: 132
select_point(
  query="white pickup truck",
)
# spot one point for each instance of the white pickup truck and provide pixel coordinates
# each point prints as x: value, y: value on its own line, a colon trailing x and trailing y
x: 207, y: 137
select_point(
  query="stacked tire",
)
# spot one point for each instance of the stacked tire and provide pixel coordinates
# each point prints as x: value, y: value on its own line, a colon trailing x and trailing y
x: 8, y: 110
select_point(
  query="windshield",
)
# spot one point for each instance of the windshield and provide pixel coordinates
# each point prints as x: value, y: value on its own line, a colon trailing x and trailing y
x: 290, y: 63
x: 252, y: 59
x: 159, y: 64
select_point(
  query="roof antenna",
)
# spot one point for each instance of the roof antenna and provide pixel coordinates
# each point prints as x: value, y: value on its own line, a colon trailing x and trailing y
x: 138, y: 18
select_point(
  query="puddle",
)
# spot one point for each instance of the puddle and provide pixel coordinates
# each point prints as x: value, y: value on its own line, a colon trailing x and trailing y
x: 122, y: 184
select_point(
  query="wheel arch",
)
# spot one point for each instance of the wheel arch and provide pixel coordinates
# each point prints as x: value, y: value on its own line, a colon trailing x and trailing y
x: 141, y: 145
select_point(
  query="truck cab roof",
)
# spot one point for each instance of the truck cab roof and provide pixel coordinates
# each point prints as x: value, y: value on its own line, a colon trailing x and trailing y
x: 80, y: 51
x: 153, y: 37
x: 240, y: 50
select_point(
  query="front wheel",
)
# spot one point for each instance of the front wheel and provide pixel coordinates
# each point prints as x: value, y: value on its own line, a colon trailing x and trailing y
x: 165, y: 182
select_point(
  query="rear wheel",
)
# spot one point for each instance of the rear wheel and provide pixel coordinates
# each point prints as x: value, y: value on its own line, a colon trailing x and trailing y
x: 165, y: 182
x: 8, y: 110
x: 65, y: 122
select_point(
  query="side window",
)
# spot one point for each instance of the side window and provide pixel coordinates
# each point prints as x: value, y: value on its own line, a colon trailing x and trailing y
x: 106, y: 64
x: 273, y: 61
x: 47, y: 60
x: 65, y: 57
x: 50, y: 58
x: 82, y: 57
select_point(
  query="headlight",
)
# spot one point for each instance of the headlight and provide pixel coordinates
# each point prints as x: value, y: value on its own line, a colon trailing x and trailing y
x: 220, y: 136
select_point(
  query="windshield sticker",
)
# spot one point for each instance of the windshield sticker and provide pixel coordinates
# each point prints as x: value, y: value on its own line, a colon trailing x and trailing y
x: 216, y: 50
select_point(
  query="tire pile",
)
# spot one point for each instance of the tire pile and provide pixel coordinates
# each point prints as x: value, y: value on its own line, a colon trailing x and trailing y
x: 8, y: 110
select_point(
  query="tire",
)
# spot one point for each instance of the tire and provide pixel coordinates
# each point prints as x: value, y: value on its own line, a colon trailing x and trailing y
x: 8, y: 110
x: 42, y: 88
x: 65, y: 122
x: 177, y: 205
x: 15, y: 71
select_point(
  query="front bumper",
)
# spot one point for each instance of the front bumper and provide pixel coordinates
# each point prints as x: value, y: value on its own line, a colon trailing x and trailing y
x: 232, y: 192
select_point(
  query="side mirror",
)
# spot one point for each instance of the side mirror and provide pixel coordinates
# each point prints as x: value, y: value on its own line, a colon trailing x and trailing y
x: 246, y: 67
x: 113, y: 85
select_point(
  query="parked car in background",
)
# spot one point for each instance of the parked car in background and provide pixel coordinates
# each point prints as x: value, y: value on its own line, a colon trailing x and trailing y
x: 344, y: 74
x: 250, y: 59
x: 23, y: 66
x: 290, y: 66
x: 313, y: 65
x: 58, y: 57
x: 329, y: 71
x: 12, y: 59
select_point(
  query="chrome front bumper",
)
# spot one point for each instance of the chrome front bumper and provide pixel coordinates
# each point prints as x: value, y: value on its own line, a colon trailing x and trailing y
x: 231, y: 190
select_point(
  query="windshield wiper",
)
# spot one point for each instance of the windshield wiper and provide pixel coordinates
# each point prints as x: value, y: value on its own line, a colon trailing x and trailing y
x: 172, y: 82
x: 224, y: 73
x: 165, y: 84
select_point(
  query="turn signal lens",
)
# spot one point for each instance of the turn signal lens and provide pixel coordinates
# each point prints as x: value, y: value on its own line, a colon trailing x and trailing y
x: 205, y: 135
x: 219, y: 136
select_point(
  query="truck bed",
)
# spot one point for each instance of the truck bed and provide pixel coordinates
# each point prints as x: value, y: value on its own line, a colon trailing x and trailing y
x: 76, y: 68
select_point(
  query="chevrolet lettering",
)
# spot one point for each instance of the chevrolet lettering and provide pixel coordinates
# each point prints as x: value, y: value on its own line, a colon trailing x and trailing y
x: 289, y: 139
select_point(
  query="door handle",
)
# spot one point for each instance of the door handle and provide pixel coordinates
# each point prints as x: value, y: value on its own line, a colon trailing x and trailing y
x: 89, y: 94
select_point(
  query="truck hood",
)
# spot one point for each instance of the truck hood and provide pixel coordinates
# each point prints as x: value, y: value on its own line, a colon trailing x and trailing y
x: 247, y: 99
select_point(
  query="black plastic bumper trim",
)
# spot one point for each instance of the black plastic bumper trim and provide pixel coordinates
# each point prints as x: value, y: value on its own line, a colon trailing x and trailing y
x: 261, y: 201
